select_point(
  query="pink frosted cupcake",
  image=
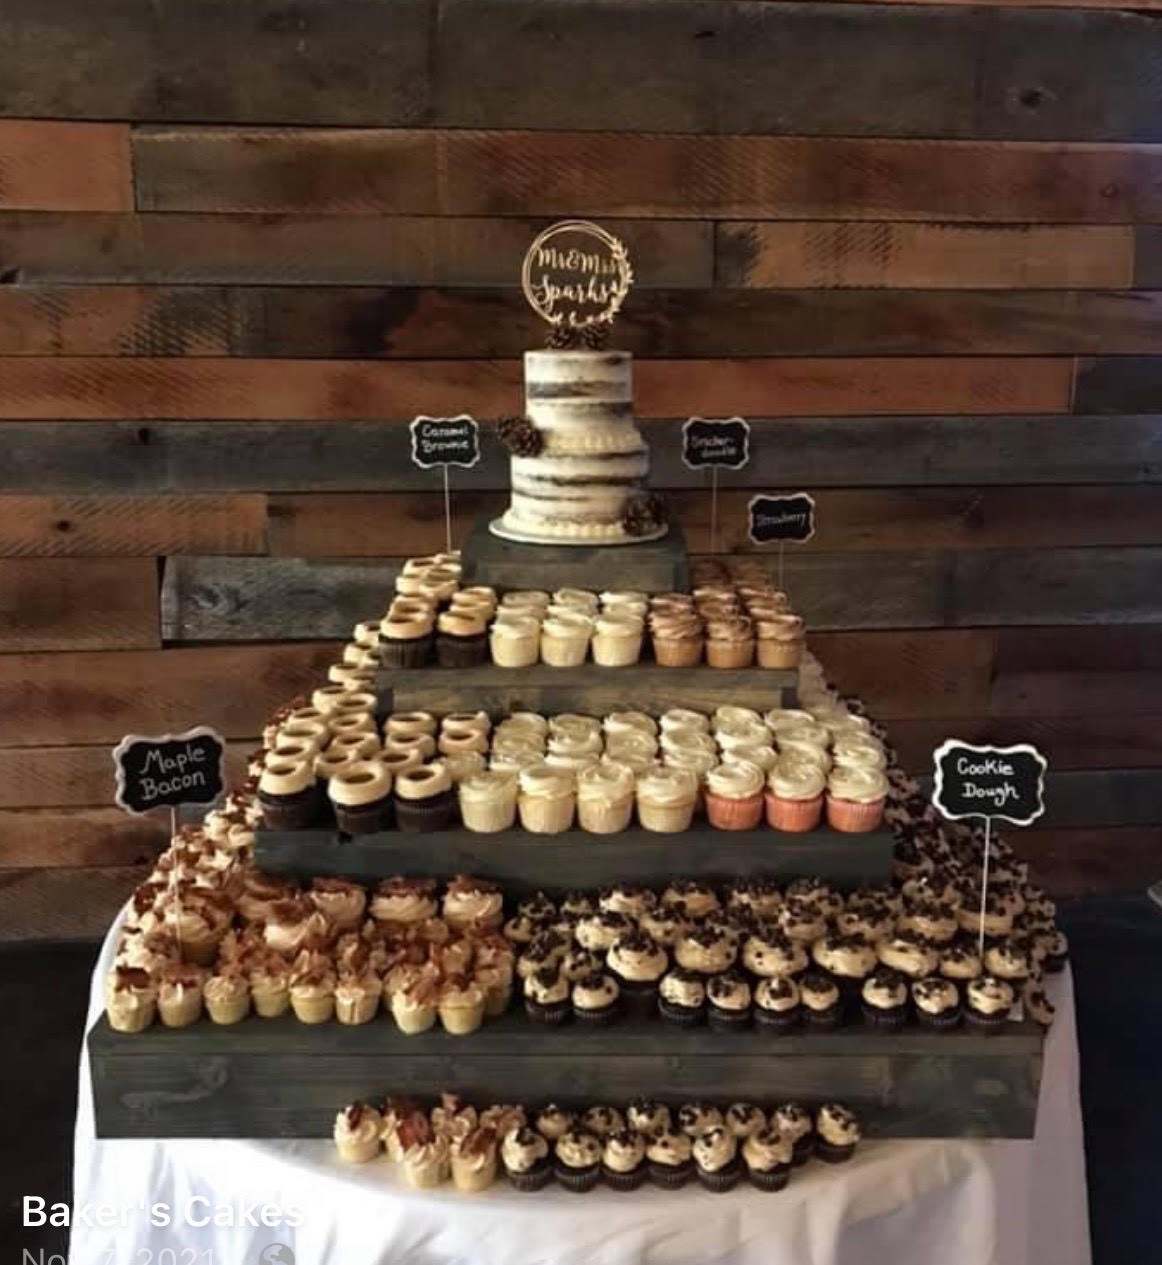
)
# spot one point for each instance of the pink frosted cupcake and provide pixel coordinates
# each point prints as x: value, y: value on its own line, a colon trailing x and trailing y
x: 795, y: 795
x: 734, y: 796
x: 855, y: 798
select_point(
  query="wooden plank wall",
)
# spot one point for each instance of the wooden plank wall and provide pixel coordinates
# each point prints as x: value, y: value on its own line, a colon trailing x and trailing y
x: 241, y: 245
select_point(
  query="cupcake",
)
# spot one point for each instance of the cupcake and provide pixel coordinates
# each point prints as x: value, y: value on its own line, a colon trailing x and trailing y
x: 682, y: 998
x: 960, y: 962
x: 988, y: 1001
x: 546, y: 799
x: 794, y: 796
x: 605, y: 797
x: 795, y: 1123
x: 627, y: 898
x: 779, y: 641
x: 343, y: 903
x: 577, y: 1162
x: 855, y: 799
x: 404, y: 902
x: 766, y: 1156
x: 705, y: 949
x: 1037, y: 1005
x: 595, y: 997
x: 515, y: 640
x: 663, y: 925
x: 415, y: 1000
x: 578, y: 962
x: 130, y: 999
x: 357, y: 997
x: 730, y: 642
x: 407, y: 641
x: 937, y: 1002
x: 179, y: 994
x: 270, y: 988
x: 461, y: 639
x: 669, y: 1159
x: 909, y: 956
x: 728, y: 1001
x: 638, y: 964
x: 996, y: 920
x: 885, y: 999
x: 734, y: 796
x: 1008, y: 960
x: 623, y: 1160
x: 691, y: 898
x: 409, y: 724
x: 849, y: 960
x: 1053, y: 948
x: 356, y: 1134
x: 423, y: 799
x: 602, y: 1121
x: 666, y: 799
x: 553, y: 1120
x: 547, y: 995
x: 648, y: 1117
x: 474, y: 1159
x: 696, y: 1118
x: 227, y: 996
x: 822, y: 1006
x: 617, y: 639
x: 312, y: 994
x: 716, y: 1160
x: 770, y: 952
x: 525, y: 1155
x: 744, y: 1119
x: 360, y: 794
x: 472, y: 905
x: 598, y: 931
x: 777, y: 1007
x: 837, y: 1132
x: 565, y: 639
x: 929, y: 920
x: 461, y: 1005
x: 426, y: 1162
x: 289, y: 795
x: 488, y: 802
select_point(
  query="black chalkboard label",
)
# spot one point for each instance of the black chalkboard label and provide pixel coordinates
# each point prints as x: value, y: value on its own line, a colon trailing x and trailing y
x: 170, y: 770
x: 445, y: 441
x: 781, y: 518
x: 725, y: 444
x: 1004, y: 782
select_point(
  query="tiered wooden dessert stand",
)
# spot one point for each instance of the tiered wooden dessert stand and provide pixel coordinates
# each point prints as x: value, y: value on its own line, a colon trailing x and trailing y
x: 280, y: 1078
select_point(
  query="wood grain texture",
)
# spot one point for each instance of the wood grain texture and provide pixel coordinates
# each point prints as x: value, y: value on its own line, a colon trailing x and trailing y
x: 70, y: 604
x: 131, y: 525
x: 1119, y: 385
x: 75, y: 777
x: 39, y: 837
x: 50, y: 249
x: 814, y: 254
x: 99, y: 388
x: 63, y: 904
x: 64, y: 166
x: 87, y: 458
x: 1084, y: 861
x: 523, y: 173
x: 98, y: 698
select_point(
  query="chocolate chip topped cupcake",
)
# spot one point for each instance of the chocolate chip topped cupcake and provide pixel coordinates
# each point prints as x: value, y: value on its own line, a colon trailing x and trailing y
x: 682, y: 997
x: 769, y: 952
x: 626, y: 898
x: 524, y: 1153
x: 794, y: 1122
x: 546, y: 994
x: 849, y: 960
x: 1008, y: 960
x: 692, y: 898
x: 664, y: 925
x: 744, y: 1118
x: 1037, y: 1005
x: 937, y: 1002
x: 760, y: 896
x: 716, y: 1160
x: 777, y: 1005
x: 705, y: 950
x: 837, y: 1133
x: 885, y: 999
x: 669, y: 1157
x: 801, y: 920
x: 552, y: 1120
x: 601, y: 1120
x: 623, y: 1160
x: 960, y: 962
x: 595, y: 998
x: 696, y: 1118
x: 578, y: 963
x: 822, y: 1004
x: 600, y: 931
x: 988, y: 1002
x: 638, y: 964
x: 729, y: 1001
x: 649, y: 1117
x: 909, y: 956
x: 1053, y: 949
x: 767, y: 1157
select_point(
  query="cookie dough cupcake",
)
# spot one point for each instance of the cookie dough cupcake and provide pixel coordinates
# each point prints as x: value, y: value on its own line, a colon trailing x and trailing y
x: 547, y: 996
x: 595, y: 998
x: 734, y: 796
x: 524, y: 1153
x: 794, y: 795
x: 553, y: 1120
x: 682, y: 998
x: 728, y: 999
x: 855, y: 799
x: 648, y: 1117
x: 822, y: 1005
x: 766, y: 1155
x: 777, y: 1006
x: 988, y: 1002
x: 696, y: 1118
x: 605, y: 797
x: 424, y: 799
x: 546, y: 799
x: 769, y: 952
x: 837, y: 1133
x: 577, y: 1162
x: 638, y: 964
x: 744, y: 1118
x: 623, y: 1160
x: 669, y: 1159
x: 885, y: 999
x: 666, y: 798
x: 716, y: 1160
x: 937, y: 1002
x: 705, y: 949
x: 795, y: 1123
x: 360, y: 795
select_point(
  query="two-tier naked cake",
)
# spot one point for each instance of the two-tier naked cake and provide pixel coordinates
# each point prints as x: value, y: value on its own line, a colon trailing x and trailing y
x: 579, y: 476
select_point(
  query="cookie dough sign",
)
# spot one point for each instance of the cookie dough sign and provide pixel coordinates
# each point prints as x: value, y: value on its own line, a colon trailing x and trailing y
x: 576, y: 275
x: 170, y: 770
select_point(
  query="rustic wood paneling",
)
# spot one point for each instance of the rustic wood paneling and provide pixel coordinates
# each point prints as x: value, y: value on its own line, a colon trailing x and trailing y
x: 1079, y: 649
x: 78, y: 837
x: 63, y: 904
x: 1122, y: 385
x: 810, y: 254
x: 74, y: 604
x: 39, y: 249
x: 63, y: 166
x: 526, y: 173
x: 73, y: 777
x: 354, y: 61
x: 92, y: 698
x: 1147, y: 254
x: 103, y: 388
x: 132, y: 525
x: 1078, y: 862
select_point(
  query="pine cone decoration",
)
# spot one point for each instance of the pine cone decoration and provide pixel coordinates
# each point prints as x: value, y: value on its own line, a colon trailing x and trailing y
x: 596, y: 337
x: 561, y: 337
x: 643, y: 515
x: 520, y: 436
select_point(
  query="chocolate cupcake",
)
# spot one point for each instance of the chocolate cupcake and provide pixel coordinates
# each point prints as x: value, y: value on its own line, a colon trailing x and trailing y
x: 988, y: 1002
x: 797, y: 1125
x: 837, y: 1132
x: 769, y: 952
x: 885, y: 999
x: 623, y: 1160
x: 728, y: 1001
x: 669, y: 1159
x: 601, y: 1120
x: 424, y: 799
x: 744, y: 1118
x: 461, y: 639
x: 525, y: 1156
x: 638, y: 964
x: 849, y: 960
x: 696, y: 1118
x: 595, y: 998
x: 1054, y: 950
x: 648, y: 1117
x: 1037, y: 1005
x: 577, y: 1161
x: 290, y: 797
x: 546, y: 994
x: 937, y: 1002
x: 664, y: 925
x: 682, y: 998
x: 578, y: 963
x: 777, y: 1007
x: 407, y: 641
x: 360, y: 794
x: 716, y: 1160
x: 822, y: 1005
x: 767, y: 1156
x: 552, y: 1120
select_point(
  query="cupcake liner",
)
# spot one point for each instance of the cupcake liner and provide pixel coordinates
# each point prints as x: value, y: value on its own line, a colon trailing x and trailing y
x: 795, y: 816
x: 1054, y: 964
x: 891, y: 1020
x: 365, y: 819
x: 734, y: 814
x: 770, y: 1179
x: 269, y: 1005
x: 596, y: 1018
x: 729, y: 654
x: 633, y: 1180
x: 848, y: 817
x: 831, y: 1154
x: 616, y: 652
x: 537, y: 1178
x: 180, y: 1014
x: 684, y: 653
x: 459, y: 1021
x: 578, y: 1180
x: 670, y: 1176
x: 489, y: 819
x: 770, y: 653
x: 228, y: 1012
x: 988, y: 1024
x: 415, y: 652
x: 473, y: 1180
x: 553, y: 1015
x: 516, y: 652
x: 355, y: 1013
x: 832, y: 1017
x: 358, y: 1152
x: 802, y: 1149
x: 424, y: 816
x: 723, y: 1180
x: 777, y: 1022
x: 683, y: 1016
x: 604, y: 819
x: 293, y: 812
x: 943, y: 1022
x: 415, y: 1020
x: 564, y: 652
x: 727, y: 1020
x: 461, y: 652
x: 314, y: 1009
x: 665, y: 818
x: 638, y: 996
x: 544, y: 815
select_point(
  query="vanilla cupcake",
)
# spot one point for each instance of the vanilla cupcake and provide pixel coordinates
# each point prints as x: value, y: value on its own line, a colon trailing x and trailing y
x: 546, y: 798
x: 605, y: 797
x: 794, y: 795
x: 488, y: 802
x: 855, y: 798
x: 730, y: 642
x: 461, y: 1005
x: 565, y: 639
x: 179, y: 994
x: 666, y: 798
x: 617, y: 639
x: 360, y: 794
x: 779, y: 641
x: 423, y: 799
x: 473, y: 905
x: 734, y: 796
x: 227, y: 996
x: 357, y: 1134
x: 357, y: 997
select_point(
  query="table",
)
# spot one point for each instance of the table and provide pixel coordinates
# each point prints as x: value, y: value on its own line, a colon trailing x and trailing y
x: 959, y: 1201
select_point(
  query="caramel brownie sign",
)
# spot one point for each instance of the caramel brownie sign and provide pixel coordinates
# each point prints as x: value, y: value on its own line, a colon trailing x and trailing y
x: 725, y: 444
x: 773, y: 518
x: 445, y: 441
x: 171, y: 770
x: 999, y: 782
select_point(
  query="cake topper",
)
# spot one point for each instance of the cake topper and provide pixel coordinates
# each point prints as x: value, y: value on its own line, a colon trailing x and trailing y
x: 576, y: 276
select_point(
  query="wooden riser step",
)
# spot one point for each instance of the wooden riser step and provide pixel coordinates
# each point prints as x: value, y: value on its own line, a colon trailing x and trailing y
x: 280, y: 1078
x: 522, y: 861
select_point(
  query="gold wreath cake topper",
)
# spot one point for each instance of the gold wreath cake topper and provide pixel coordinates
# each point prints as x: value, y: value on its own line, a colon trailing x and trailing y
x: 576, y: 275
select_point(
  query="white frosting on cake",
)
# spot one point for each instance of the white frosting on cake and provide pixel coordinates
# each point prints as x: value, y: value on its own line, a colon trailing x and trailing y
x: 594, y: 460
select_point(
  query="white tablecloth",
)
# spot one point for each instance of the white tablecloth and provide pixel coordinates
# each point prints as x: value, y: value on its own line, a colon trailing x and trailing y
x: 959, y: 1202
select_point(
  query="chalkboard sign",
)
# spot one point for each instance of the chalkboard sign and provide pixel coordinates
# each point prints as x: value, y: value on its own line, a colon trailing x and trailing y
x: 725, y: 444
x: 445, y: 441
x: 1004, y: 782
x: 170, y: 770
x: 781, y: 518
